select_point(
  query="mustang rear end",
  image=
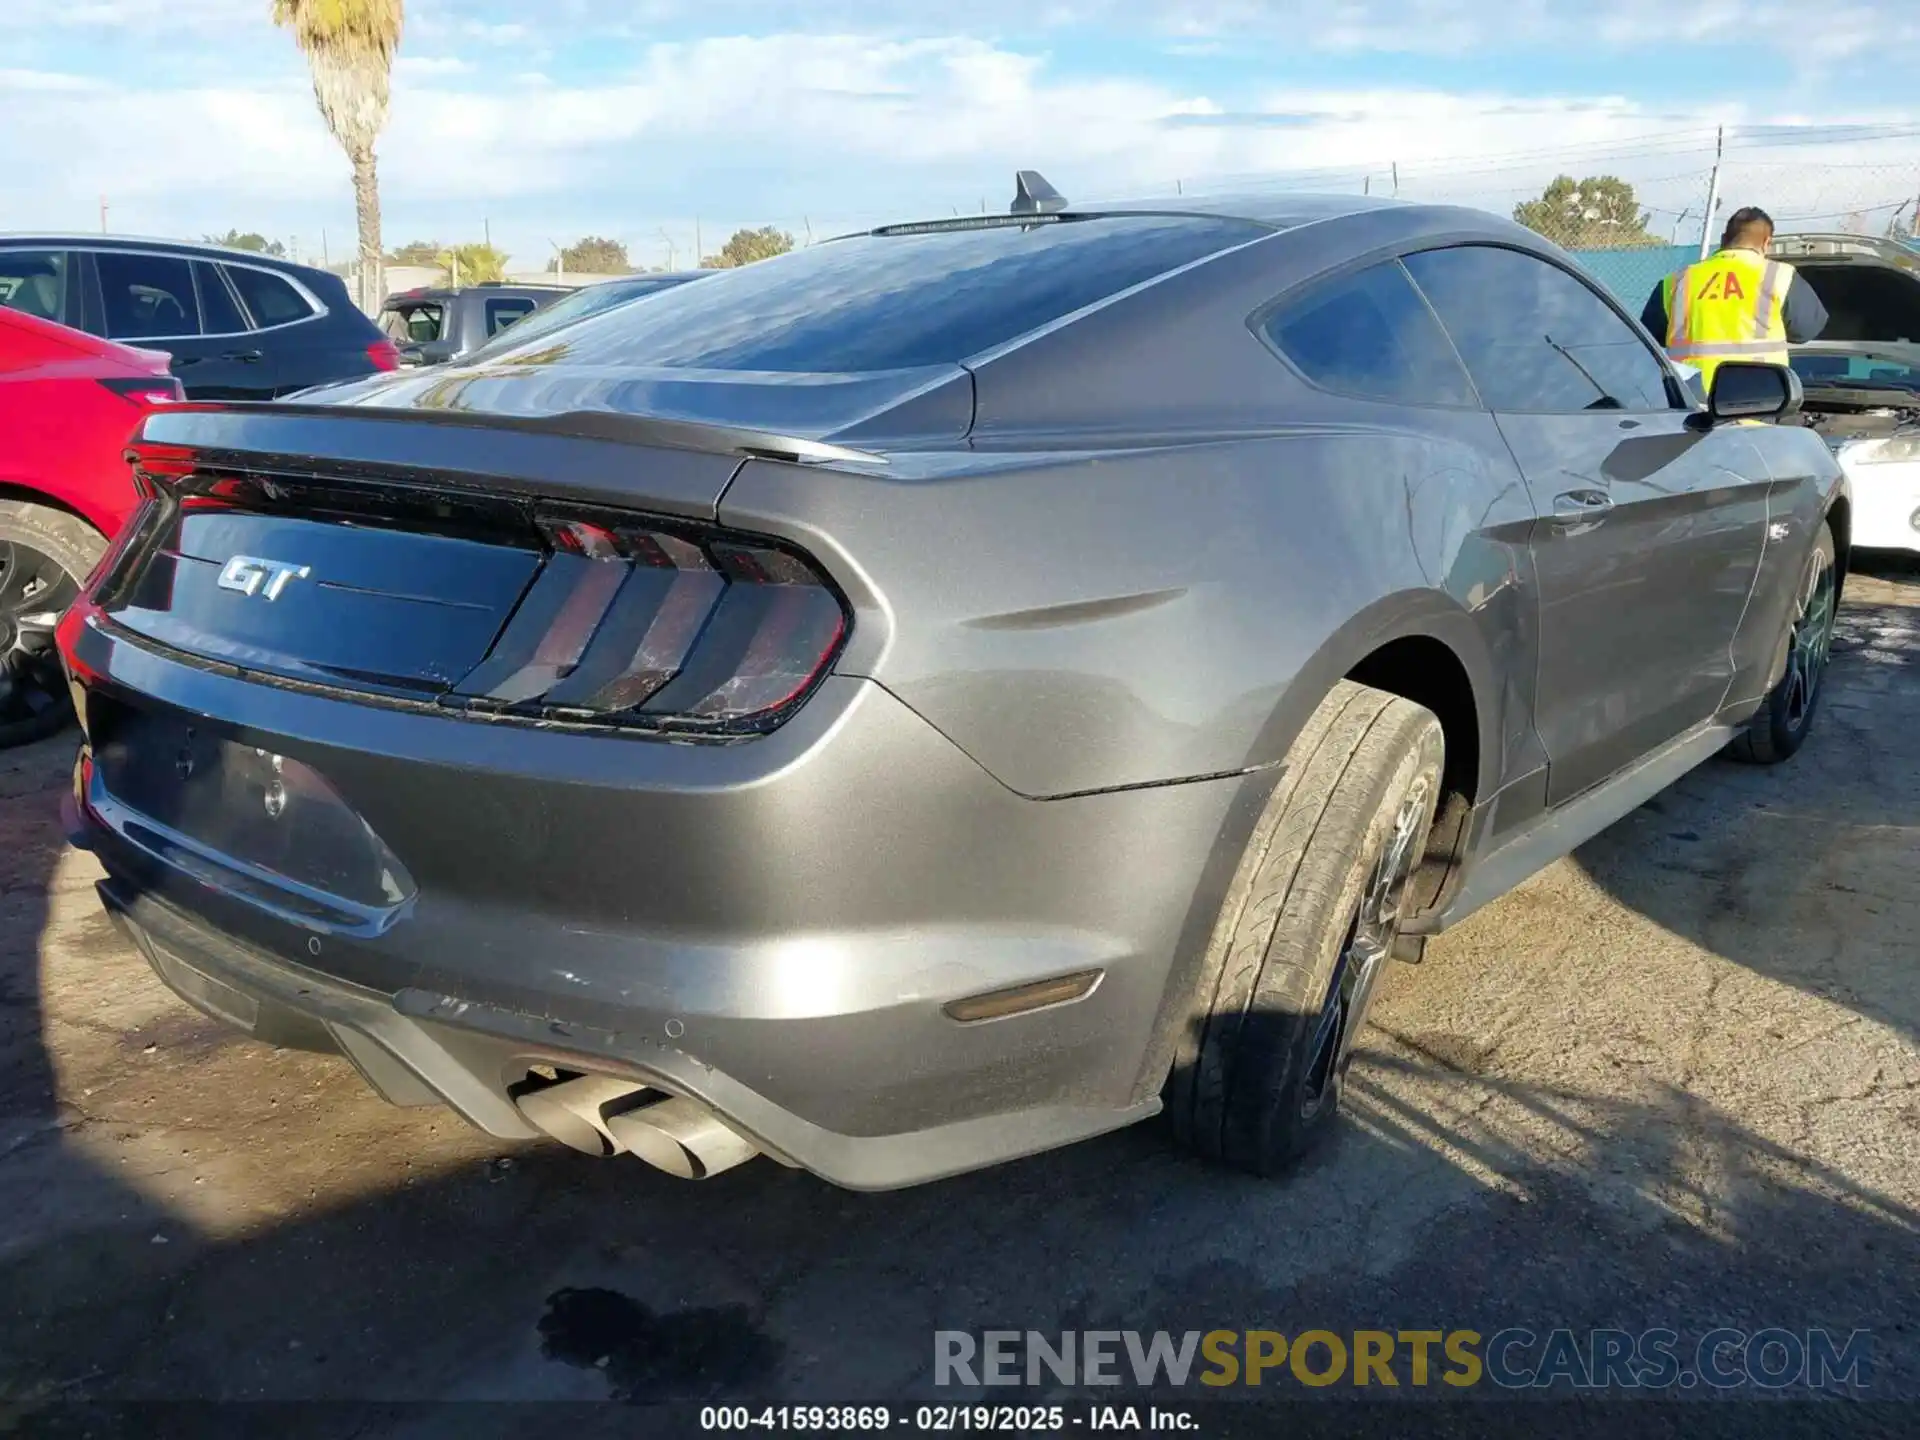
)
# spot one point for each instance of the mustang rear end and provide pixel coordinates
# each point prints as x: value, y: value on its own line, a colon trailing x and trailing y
x: 484, y: 756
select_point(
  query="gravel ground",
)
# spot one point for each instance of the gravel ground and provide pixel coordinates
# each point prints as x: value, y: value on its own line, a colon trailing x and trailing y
x: 1673, y: 1081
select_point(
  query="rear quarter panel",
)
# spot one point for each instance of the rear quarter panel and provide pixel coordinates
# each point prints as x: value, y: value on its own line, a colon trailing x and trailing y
x: 1164, y: 546
x: 1081, y: 621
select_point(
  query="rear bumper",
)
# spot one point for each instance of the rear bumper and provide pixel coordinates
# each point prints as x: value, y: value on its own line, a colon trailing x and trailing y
x: 771, y: 928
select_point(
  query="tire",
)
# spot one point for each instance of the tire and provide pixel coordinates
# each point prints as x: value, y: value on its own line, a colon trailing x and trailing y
x: 1781, y: 724
x: 1306, y: 931
x: 45, y: 555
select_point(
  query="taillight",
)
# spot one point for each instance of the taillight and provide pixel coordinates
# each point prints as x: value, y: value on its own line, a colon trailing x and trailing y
x: 144, y: 390
x: 662, y: 629
x: 384, y: 354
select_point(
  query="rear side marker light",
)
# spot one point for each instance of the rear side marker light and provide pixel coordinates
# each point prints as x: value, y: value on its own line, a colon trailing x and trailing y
x: 1019, y: 999
x: 660, y: 629
x: 384, y: 354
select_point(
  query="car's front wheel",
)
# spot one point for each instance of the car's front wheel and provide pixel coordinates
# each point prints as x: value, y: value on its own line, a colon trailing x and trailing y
x: 1307, y: 931
x: 45, y: 554
x: 1779, y: 727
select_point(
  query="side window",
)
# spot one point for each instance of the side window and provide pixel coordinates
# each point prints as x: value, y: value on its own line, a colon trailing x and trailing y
x: 1370, y: 334
x: 1534, y: 337
x: 34, y: 282
x: 271, y: 299
x: 220, y: 316
x: 502, y: 313
x: 148, y: 297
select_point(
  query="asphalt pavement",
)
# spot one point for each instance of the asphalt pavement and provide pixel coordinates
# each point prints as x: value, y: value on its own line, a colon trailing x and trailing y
x: 1672, y: 1082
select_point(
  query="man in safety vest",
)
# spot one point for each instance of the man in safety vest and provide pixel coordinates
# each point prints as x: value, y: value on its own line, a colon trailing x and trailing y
x: 1735, y: 304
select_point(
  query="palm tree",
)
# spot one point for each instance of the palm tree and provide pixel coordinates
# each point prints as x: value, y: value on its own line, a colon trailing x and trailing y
x: 349, y: 46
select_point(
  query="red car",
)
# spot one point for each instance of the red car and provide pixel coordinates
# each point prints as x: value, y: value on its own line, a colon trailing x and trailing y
x: 68, y: 402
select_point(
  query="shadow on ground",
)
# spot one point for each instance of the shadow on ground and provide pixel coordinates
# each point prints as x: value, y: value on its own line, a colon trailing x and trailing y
x: 1804, y: 872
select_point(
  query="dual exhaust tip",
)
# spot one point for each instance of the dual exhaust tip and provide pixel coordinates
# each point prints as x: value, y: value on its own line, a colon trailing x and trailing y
x: 605, y: 1115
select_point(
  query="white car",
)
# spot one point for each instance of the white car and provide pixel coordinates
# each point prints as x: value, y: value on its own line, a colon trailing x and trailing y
x: 1862, y: 376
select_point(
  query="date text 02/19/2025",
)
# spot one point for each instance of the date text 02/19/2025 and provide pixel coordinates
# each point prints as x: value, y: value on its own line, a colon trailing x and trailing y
x: 943, y: 1419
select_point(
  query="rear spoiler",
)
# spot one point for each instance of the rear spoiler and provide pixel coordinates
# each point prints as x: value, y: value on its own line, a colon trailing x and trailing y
x: 626, y: 461
x: 254, y: 427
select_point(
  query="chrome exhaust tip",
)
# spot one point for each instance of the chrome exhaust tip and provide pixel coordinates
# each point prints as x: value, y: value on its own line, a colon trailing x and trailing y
x: 604, y: 1115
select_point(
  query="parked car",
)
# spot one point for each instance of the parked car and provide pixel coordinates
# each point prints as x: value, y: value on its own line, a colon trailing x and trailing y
x: 238, y: 325
x: 68, y: 405
x: 434, y: 325
x: 1862, y: 376
x: 943, y: 693
x: 587, y: 300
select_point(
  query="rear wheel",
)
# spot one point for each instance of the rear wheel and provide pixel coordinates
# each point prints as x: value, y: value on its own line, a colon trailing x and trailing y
x: 1307, y: 931
x: 45, y: 554
x: 1779, y: 727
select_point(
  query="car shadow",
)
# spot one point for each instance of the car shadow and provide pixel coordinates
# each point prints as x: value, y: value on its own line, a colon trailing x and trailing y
x: 1803, y: 872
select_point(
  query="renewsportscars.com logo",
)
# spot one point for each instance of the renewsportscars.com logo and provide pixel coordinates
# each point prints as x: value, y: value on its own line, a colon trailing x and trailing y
x: 1513, y: 1358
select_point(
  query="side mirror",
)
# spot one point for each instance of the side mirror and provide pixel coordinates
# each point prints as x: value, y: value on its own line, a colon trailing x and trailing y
x: 1749, y: 390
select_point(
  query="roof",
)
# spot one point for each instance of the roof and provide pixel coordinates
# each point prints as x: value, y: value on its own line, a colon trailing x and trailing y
x: 1278, y: 208
x: 85, y: 241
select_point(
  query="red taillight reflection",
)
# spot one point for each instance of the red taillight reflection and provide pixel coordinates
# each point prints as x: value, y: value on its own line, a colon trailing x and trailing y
x: 145, y: 391
x: 384, y: 354
x: 162, y: 462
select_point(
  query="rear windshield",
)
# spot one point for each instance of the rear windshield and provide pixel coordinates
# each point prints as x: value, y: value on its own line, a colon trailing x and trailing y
x: 415, y: 324
x: 885, y: 302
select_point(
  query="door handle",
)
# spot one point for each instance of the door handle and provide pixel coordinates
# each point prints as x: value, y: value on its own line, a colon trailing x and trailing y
x: 245, y: 357
x: 1579, y: 507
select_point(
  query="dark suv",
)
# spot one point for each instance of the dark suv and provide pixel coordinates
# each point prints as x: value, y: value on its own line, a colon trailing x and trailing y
x: 435, y: 325
x: 239, y: 326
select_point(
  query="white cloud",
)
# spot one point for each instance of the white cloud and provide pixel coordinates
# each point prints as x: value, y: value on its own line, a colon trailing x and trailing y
x: 844, y: 129
x: 425, y: 67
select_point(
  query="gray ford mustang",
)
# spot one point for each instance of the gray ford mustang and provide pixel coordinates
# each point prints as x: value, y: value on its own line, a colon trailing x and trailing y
x: 941, y: 694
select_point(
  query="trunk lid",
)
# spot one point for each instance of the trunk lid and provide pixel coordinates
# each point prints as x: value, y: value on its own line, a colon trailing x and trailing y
x: 564, y: 567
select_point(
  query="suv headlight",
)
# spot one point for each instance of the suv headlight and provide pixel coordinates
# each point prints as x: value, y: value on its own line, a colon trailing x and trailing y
x: 1891, y: 451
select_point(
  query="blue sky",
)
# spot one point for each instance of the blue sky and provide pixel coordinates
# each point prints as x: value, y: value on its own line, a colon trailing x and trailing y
x: 643, y: 119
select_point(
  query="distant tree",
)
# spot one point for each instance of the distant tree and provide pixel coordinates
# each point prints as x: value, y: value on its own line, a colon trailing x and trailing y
x: 349, y: 46
x: 249, y: 240
x: 593, y: 255
x: 417, y: 252
x: 1600, y: 212
x: 744, y: 247
x: 472, y: 264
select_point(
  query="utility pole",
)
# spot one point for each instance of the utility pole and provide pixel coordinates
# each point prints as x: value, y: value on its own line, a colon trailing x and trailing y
x: 486, y: 231
x: 1396, y: 178
x: 669, y: 239
x: 1713, y: 193
x: 323, y: 248
x: 698, y: 248
x: 103, y: 214
x: 1366, y: 184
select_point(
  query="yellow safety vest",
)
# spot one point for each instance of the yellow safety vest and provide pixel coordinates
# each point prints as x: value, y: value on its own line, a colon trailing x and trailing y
x: 1730, y: 306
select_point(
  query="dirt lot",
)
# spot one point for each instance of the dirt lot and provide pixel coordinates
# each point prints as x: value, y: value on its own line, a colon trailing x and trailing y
x: 1673, y: 1081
